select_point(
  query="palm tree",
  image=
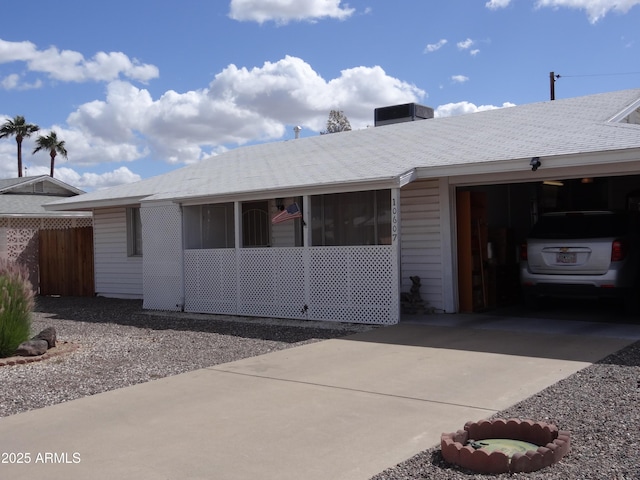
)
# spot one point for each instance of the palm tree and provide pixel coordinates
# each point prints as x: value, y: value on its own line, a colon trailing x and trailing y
x: 53, y: 145
x: 20, y: 129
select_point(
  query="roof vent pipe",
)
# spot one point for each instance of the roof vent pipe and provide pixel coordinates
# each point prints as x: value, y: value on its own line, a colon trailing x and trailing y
x: 297, y: 130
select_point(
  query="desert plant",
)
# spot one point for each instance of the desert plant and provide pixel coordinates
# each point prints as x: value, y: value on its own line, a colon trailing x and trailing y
x: 16, y: 305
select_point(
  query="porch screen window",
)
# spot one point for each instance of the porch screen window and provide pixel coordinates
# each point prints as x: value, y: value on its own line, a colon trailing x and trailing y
x: 209, y: 226
x: 255, y: 224
x: 134, y: 232
x: 354, y: 218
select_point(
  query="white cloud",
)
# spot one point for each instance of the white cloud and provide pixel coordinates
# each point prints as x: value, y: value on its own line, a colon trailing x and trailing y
x: 495, y: 4
x: 95, y: 181
x: 14, y: 82
x: 71, y: 66
x: 285, y: 11
x: 459, y: 79
x: 474, y: 52
x: 434, y: 47
x: 595, y: 9
x: 465, y: 44
x: 240, y: 105
x: 462, y: 108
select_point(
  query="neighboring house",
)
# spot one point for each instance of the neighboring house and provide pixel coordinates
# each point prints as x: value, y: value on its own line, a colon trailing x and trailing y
x: 446, y: 199
x: 22, y: 216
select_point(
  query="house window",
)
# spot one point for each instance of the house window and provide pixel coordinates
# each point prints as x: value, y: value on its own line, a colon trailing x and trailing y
x: 209, y: 226
x: 354, y: 218
x: 134, y: 232
x: 255, y: 224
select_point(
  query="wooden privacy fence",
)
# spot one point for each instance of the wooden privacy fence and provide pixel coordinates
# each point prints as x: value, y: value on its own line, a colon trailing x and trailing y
x: 66, y: 262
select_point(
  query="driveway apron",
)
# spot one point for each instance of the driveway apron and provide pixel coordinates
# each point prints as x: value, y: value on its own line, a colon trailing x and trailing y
x: 342, y: 409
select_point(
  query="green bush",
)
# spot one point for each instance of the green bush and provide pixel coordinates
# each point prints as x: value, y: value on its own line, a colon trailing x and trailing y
x: 16, y: 305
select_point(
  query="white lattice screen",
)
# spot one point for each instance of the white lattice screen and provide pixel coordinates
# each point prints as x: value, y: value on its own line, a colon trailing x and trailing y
x: 346, y: 284
x: 271, y: 282
x: 210, y: 281
x: 162, y: 257
x: 353, y: 284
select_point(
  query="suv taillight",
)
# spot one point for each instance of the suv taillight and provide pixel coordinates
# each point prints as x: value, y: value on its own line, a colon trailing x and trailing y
x: 524, y: 255
x: 618, y: 251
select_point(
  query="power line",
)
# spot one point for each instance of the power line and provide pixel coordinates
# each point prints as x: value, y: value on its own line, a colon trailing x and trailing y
x: 599, y: 75
x: 553, y: 77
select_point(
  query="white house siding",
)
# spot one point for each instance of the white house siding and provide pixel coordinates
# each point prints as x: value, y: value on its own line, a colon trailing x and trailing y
x: 162, y: 255
x: 283, y: 234
x: 421, y: 239
x: 117, y: 275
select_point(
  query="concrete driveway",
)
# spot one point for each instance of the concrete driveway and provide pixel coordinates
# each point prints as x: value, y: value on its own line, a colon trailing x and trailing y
x: 337, y: 409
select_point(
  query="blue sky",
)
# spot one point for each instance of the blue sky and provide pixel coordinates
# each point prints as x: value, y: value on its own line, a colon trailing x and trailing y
x: 141, y: 87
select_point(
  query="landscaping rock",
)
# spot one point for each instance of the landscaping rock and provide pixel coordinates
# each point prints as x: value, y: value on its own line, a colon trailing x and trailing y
x: 31, y: 348
x: 48, y: 334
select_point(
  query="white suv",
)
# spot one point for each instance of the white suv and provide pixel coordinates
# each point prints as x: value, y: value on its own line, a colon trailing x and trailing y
x: 583, y: 254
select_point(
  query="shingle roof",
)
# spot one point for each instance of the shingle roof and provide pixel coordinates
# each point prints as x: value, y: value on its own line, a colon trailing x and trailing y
x: 31, y: 206
x: 547, y: 129
x: 12, y: 184
x: 19, y: 198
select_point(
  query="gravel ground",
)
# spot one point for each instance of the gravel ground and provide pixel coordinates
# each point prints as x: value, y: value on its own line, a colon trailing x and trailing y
x: 120, y: 345
x: 599, y: 405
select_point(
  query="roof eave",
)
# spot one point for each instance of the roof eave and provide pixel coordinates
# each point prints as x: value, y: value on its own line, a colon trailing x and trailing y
x: 553, y: 165
x: 89, y: 205
x: 395, y: 181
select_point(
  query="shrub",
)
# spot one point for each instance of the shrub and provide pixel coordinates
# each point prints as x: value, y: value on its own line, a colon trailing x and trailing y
x: 16, y: 305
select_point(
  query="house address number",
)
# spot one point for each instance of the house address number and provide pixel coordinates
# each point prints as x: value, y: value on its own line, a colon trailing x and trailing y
x: 394, y: 220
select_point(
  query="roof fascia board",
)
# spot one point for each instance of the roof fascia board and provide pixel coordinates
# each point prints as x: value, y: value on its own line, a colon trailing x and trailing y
x: 282, y: 193
x: 93, y: 204
x: 609, y: 163
x: 407, y: 177
x: 47, y: 215
x: 625, y: 113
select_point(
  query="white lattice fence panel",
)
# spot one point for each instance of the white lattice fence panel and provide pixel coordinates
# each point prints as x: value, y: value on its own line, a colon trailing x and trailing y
x: 162, y: 257
x: 22, y: 247
x: 210, y: 281
x: 353, y: 284
x: 21, y: 243
x: 271, y: 282
x: 84, y: 222
x: 61, y: 223
x: 25, y: 223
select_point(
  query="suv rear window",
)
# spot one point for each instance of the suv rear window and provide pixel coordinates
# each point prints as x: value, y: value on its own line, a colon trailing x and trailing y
x: 574, y: 225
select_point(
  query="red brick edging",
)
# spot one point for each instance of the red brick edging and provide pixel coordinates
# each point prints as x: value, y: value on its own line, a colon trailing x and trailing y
x: 61, y: 348
x: 553, y: 445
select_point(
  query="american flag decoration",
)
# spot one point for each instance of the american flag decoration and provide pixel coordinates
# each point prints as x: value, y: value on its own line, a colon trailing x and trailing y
x: 289, y: 213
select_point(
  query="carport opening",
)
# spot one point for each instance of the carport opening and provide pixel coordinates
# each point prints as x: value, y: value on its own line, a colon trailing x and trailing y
x: 493, y: 222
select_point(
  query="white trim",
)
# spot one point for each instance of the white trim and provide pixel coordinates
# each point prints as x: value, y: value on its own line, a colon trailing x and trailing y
x: 396, y: 243
x: 448, y: 238
x: 619, y: 163
x: 289, y: 193
x: 625, y: 113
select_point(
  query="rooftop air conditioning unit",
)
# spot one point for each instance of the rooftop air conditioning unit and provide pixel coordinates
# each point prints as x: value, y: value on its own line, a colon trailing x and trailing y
x: 407, y: 112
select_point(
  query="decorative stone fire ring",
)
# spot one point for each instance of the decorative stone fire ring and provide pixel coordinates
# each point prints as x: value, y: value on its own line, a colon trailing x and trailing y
x: 501, y: 446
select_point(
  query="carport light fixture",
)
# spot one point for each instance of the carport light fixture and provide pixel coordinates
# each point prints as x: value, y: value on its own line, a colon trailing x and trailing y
x: 535, y: 163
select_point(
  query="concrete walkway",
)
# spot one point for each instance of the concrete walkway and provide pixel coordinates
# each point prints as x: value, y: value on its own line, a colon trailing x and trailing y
x: 337, y: 409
